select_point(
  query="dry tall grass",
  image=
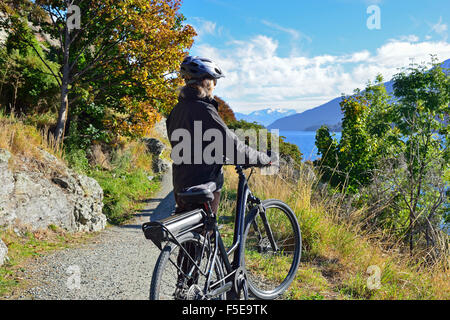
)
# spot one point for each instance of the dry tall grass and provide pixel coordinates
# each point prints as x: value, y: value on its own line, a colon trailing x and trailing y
x: 25, y: 140
x: 338, y: 250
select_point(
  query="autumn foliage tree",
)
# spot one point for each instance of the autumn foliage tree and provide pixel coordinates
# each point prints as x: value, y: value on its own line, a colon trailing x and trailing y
x: 225, y: 111
x: 119, y: 57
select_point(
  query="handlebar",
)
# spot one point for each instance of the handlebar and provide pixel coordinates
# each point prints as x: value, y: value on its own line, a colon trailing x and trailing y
x: 249, y: 166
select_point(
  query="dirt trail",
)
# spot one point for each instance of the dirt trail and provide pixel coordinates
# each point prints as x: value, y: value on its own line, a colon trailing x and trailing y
x: 117, y: 264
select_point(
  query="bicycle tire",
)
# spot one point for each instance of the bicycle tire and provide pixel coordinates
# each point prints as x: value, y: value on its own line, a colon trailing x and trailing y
x: 162, y: 277
x: 258, y: 280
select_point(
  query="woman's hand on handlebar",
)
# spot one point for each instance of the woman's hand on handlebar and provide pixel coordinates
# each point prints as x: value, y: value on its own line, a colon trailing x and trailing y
x: 274, y: 160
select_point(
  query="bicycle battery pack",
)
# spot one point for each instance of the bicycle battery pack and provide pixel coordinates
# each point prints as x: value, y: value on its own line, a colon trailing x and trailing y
x: 175, y: 225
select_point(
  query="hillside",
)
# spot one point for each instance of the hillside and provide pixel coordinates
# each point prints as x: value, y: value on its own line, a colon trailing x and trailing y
x: 326, y: 114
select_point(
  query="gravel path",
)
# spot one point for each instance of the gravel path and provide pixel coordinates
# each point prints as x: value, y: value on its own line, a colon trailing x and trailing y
x: 116, y: 265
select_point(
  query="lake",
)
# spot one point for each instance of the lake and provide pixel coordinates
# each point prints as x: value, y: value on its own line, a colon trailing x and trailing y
x: 305, y: 140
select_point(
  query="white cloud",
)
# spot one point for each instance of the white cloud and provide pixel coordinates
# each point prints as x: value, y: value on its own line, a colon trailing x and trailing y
x: 297, y: 38
x: 204, y: 27
x: 295, y: 34
x: 258, y: 77
x: 440, y: 28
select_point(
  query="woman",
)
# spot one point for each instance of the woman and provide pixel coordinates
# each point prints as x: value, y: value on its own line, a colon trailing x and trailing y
x: 197, y: 109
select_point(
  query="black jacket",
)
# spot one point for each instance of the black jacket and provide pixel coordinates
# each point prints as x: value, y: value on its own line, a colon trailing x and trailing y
x: 191, y: 108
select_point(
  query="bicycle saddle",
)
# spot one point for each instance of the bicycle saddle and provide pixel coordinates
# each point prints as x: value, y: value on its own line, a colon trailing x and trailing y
x: 198, y: 194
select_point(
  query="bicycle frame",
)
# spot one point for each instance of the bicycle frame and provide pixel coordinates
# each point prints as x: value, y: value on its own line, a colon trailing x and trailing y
x: 231, y: 268
x: 234, y: 276
x: 240, y: 223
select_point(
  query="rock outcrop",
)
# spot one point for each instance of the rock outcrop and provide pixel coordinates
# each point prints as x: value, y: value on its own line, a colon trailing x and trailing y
x: 160, y: 165
x: 156, y: 148
x: 3, y: 252
x: 44, y: 192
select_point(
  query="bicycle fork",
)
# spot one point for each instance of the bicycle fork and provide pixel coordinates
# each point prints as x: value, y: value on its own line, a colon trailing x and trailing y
x: 262, y: 214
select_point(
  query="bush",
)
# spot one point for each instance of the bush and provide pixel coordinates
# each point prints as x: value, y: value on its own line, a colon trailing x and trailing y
x: 86, y: 125
x: 77, y: 160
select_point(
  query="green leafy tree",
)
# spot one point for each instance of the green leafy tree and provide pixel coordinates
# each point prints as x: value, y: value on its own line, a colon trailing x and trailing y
x: 286, y: 149
x: 421, y: 114
x: 394, y: 154
x: 26, y: 86
x: 366, y: 135
x: 327, y: 147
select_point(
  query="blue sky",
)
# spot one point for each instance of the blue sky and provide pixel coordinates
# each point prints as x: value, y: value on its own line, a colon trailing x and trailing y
x: 299, y: 54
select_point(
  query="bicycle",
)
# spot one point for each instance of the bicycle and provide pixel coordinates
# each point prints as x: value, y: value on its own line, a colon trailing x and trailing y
x: 194, y: 263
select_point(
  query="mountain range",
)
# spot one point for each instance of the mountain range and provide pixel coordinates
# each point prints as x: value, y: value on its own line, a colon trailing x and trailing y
x: 326, y: 114
x: 265, y: 116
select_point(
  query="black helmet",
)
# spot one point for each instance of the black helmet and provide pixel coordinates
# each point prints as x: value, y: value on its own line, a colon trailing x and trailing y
x: 200, y: 68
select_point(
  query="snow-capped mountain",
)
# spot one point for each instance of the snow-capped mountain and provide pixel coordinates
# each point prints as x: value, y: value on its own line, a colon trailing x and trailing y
x: 265, y: 116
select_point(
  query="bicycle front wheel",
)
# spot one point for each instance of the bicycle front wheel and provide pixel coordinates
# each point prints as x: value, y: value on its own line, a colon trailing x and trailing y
x: 272, y: 250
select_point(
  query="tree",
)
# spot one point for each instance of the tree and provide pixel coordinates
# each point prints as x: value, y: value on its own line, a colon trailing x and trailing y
x: 225, y: 111
x: 394, y: 154
x: 366, y: 136
x: 286, y: 149
x: 124, y: 51
x: 327, y: 147
x: 421, y: 111
x: 25, y: 83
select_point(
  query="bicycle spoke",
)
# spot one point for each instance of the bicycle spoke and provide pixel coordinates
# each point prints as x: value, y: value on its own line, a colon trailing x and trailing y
x: 270, y: 271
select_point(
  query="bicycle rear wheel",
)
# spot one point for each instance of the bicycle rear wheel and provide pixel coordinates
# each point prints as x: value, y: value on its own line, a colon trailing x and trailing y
x: 185, y: 282
x: 272, y: 250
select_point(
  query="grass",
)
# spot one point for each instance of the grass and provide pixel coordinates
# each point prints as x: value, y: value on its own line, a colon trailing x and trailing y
x: 124, y: 193
x: 337, y: 252
x: 24, y: 244
x: 25, y: 140
x: 127, y: 184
